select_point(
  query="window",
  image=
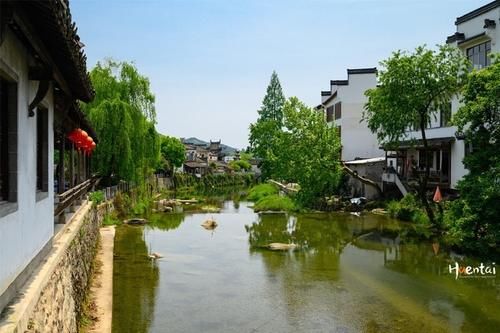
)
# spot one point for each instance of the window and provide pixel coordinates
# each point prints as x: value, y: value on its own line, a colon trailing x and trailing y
x: 42, y: 150
x: 445, y: 115
x: 329, y: 114
x: 423, y: 161
x: 8, y: 141
x: 338, y: 110
x: 479, y: 55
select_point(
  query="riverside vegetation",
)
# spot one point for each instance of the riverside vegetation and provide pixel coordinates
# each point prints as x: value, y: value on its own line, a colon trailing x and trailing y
x: 296, y: 145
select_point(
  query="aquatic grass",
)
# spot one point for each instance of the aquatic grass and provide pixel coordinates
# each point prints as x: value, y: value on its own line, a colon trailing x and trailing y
x: 275, y: 202
x: 260, y: 191
x: 111, y: 219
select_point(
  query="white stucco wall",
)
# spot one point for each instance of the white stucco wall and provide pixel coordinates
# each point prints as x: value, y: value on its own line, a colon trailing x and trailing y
x: 357, y: 139
x: 475, y: 27
x: 24, y: 232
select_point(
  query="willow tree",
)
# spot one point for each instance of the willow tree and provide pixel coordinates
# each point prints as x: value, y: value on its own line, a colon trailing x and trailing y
x: 412, y: 88
x: 124, y: 117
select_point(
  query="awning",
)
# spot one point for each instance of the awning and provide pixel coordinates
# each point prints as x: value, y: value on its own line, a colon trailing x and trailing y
x: 432, y: 143
x: 366, y: 161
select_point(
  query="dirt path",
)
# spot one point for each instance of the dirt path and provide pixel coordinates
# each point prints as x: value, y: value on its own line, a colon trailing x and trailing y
x: 102, y: 289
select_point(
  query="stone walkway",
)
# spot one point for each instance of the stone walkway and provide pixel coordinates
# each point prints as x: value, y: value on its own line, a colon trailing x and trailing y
x: 102, y: 289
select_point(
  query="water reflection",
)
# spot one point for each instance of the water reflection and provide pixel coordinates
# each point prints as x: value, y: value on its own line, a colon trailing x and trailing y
x: 348, y: 274
x: 370, y: 259
x: 135, y: 280
x: 165, y: 222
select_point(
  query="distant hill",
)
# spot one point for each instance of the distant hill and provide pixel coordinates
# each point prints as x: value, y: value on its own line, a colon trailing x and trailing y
x: 226, y: 150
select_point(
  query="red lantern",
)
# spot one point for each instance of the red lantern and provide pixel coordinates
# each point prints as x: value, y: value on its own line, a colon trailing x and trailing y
x: 72, y: 135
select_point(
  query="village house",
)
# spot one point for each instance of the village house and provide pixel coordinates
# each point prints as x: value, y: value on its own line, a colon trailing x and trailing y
x: 216, y: 149
x: 202, y: 159
x: 476, y: 36
x: 343, y: 105
x: 42, y: 75
x: 228, y: 158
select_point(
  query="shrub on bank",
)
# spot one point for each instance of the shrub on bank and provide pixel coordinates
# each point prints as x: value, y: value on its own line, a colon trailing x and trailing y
x: 260, y: 191
x: 275, y: 202
x: 111, y: 219
x: 408, y: 209
x: 96, y: 197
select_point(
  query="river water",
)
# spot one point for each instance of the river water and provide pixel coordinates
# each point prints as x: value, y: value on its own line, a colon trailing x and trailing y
x: 348, y: 274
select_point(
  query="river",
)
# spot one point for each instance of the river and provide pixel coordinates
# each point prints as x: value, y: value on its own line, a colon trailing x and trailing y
x: 348, y: 274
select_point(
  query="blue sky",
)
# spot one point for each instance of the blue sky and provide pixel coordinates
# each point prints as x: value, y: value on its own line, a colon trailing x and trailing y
x: 209, y: 61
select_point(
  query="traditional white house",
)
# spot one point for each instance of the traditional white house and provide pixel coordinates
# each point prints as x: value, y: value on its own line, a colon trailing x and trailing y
x: 42, y: 74
x: 477, y: 35
x: 228, y: 158
x: 344, y: 105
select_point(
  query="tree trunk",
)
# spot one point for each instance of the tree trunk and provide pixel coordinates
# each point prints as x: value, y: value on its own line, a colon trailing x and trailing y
x: 423, y: 181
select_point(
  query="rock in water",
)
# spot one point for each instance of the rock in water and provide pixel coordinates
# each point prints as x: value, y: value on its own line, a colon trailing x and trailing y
x: 209, y: 224
x: 281, y: 246
x: 379, y: 211
x: 136, y: 221
x: 155, y: 255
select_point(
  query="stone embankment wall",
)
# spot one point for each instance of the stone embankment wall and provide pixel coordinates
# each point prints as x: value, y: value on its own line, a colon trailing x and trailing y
x: 53, y: 297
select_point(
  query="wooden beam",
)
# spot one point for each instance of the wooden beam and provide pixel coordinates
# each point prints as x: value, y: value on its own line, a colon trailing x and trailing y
x: 72, y: 166
x: 61, y: 180
x: 22, y: 27
x: 43, y: 88
x: 5, y: 19
x: 39, y: 72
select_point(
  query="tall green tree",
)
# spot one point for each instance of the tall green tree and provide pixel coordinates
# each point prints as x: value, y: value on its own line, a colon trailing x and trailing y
x: 413, y: 88
x: 474, y: 218
x: 124, y: 116
x: 173, y: 152
x: 307, y: 152
x: 269, y: 123
x: 272, y: 105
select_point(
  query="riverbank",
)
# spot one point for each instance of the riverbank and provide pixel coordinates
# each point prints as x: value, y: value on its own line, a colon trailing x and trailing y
x: 101, y: 292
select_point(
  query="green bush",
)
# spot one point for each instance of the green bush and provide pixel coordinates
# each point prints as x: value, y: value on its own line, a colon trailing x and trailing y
x: 408, y: 209
x: 141, y: 207
x: 96, y: 197
x: 110, y: 219
x: 260, y: 191
x: 275, y: 202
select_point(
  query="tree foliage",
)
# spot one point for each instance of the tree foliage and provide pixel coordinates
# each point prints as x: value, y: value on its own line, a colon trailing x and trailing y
x: 239, y: 165
x: 272, y: 105
x: 270, y: 121
x: 173, y: 152
x: 474, y: 218
x: 413, y: 88
x: 307, y: 152
x: 123, y: 115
